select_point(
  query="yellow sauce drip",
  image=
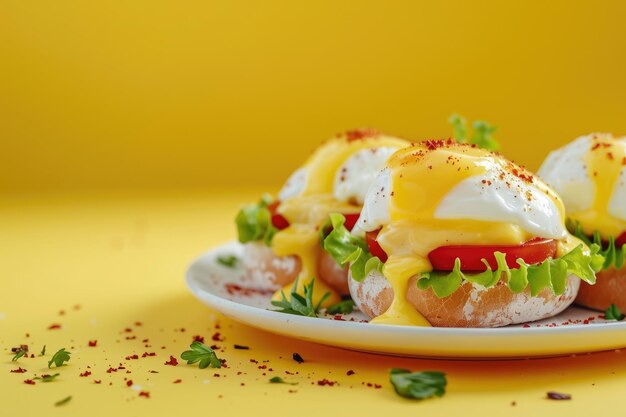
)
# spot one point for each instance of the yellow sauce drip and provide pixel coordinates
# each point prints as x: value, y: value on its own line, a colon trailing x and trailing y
x: 309, y: 211
x: 420, y: 179
x: 604, y: 163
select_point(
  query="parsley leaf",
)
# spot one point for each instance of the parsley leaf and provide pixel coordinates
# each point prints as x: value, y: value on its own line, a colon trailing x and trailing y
x: 18, y: 354
x: 613, y: 313
x: 279, y: 380
x: 297, y: 304
x: 47, y: 378
x: 63, y: 401
x: 342, y: 307
x: 418, y: 385
x: 59, y: 357
x: 229, y: 261
x: 203, y: 354
x: 459, y: 129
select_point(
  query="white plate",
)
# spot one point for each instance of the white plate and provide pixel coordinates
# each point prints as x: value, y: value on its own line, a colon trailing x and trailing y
x: 575, y: 330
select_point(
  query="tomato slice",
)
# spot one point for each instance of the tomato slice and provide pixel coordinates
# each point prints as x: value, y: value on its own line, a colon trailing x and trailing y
x: 374, y: 247
x: 351, y: 220
x: 621, y: 240
x: 278, y: 220
x: 532, y: 252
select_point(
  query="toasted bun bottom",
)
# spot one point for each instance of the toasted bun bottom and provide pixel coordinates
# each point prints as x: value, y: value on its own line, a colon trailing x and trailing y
x: 332, y: 274
x: 469, y: 306
x: 610, y: 288
x: 265, y: 270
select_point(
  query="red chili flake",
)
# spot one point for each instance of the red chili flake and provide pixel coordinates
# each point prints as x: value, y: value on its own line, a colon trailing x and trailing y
x: 198, y: 338
x: 262, y: 366
x: 526, y: 325
x: 154, y: 372
x: 32, y: 355
x: 84, y: 374
x: 236, y: 289
x: 254, y: 361
x: 217, y: 337
x: 172, y: 361
x: 18, y: 370
x: 131, y: 337
x: 54, y: 326
x: 325, y: 381
x: 111, y: 370
x: 138, y: 323
x: 128, y: 330
x: 144, y: 341
x: 296, y: 357
x: 377, y: 386
x: 558, y: 396
x: 144, y: 394
x: 241, y: 347
x: 350, y: 372
x: 97, y: 381
x: 609, y: 155
x: 129, y: 383
x: 143, y: 355
x: 29, y: 382
x: 359, y: 134
x: 92, y: 343
x: 214, y: 347
x: 135, y: 356
x: 178, y: 381
x: 216, y: 375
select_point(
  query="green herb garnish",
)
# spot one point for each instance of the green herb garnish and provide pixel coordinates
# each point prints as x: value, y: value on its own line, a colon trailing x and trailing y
x: 59, y: 357
x: 418, y: 385
x: 254, y: 222
x: 47, y: 378
x: 43, y: 351
x: 614, y: 256
x: 613, y: 313
x: 345, y: 248
x: 229, y: 261
x: 297, y: 304
x: 279, y: 380
x: 202, y: 354
x: 63, y: 401
x: 482, y: 135
x: 18, y: 354
x: 342, y: 307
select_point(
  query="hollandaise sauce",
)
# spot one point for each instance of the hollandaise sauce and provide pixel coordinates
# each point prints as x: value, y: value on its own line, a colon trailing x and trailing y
x: 308, y: 212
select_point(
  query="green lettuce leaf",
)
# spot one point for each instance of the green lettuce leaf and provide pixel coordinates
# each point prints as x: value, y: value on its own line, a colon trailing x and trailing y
x: 254, y: 222
x: 345, y: 248
x: 551, y: 273
x: 482, y: 132
x: 613, y: 255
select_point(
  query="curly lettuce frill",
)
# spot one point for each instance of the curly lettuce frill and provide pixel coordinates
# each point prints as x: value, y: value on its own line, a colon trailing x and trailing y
x: 613, y: 255
x: 345, y: 248
x: 254, y: 222
x: 551, y: 273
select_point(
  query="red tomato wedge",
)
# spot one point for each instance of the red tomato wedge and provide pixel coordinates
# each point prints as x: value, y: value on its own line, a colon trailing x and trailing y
x: 279, y: 221
x: 532, y: 252
x: 621, y: 240
x: 374, y: 247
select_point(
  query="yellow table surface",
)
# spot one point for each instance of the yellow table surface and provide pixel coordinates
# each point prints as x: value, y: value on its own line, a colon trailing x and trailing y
x: 97, y: 264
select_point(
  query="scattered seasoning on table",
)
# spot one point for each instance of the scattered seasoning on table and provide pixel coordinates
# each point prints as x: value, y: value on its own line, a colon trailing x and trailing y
x: 29, y: 382
x: 63, y: 401
x: 198, y: 338
x: 135, y: 356
x: 350, y: 372
x: 92, y: 343
x: 297, y: 358
x: 172, y: 361
x: 129, y: 383
x: 558, y: 396
x: 84, y: 374
x: 513, y: 403
x: 145, y: 354
x: 241, y: 347
x: 178, y: 381
x: 325, y: 381
x: 97, y: 381
x: 54, y: 326
x: 144, y: 394
x: 217, y: 337
x: 18, y: 371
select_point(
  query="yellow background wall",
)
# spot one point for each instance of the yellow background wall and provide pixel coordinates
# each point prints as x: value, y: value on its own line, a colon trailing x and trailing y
x: 148, y: 93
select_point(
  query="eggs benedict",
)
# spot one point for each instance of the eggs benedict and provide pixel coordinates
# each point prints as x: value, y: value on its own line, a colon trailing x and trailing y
x: 454, y: 235
x: 282, y: 236
x: 590, y: 175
